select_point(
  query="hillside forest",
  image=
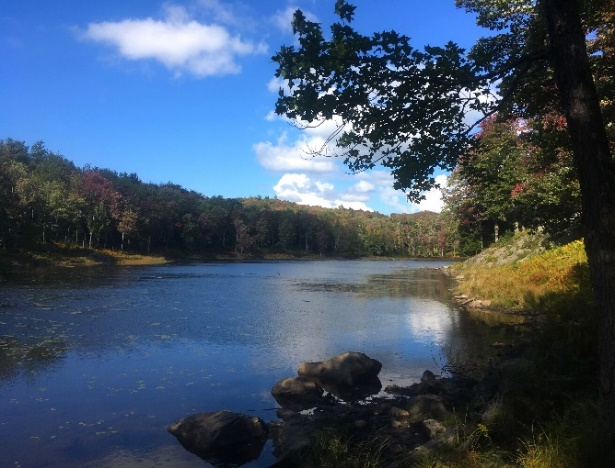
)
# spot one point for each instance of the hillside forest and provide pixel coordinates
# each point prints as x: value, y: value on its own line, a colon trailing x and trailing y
x: 519, y: 176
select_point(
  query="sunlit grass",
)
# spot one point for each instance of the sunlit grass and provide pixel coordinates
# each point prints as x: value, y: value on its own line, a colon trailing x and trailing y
x: 530, y: 283
x: 121, y: 258
x: 76, y: 255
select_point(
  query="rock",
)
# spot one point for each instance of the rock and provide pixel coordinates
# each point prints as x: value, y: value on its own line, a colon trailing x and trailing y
x: 478, y: 304
x: 221, y: 436
x: 344, y: 370
x: 428, y: 407
x: 291, y: 439
x: 359, y: 391
x: 285, y: 414
x: 297, y: 393
x: 433, y: 428
x: 395, y: 424
x: 398, y: 412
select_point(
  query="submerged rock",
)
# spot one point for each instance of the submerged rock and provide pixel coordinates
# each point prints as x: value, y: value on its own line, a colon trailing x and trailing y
x: 222, y: 437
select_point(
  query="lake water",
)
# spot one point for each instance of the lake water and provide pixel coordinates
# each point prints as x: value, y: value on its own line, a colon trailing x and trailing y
x: 96, y: 362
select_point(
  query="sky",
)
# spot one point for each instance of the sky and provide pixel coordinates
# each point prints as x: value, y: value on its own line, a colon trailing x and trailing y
x: 183, y: 91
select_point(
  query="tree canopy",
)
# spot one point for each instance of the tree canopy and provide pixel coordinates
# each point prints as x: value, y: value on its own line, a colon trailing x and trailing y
x: 408, y: 109
x: 46, y: 199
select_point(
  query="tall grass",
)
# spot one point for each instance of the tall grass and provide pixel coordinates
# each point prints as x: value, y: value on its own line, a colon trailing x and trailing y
x: 573, y: 439
x: 531, y: 283
x: 334, y: 449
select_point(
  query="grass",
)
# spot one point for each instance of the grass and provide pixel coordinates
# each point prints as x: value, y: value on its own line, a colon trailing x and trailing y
x: 531, y: 283
x: 551, y: 411
x: 334, y: 449
x: 70, y: 255
x: 572, y: 439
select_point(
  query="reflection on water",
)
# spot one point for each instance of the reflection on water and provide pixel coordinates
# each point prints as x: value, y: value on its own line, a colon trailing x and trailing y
x: 96, y: 362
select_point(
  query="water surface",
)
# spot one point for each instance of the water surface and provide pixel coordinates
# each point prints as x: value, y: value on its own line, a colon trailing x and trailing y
x: 96, y: 362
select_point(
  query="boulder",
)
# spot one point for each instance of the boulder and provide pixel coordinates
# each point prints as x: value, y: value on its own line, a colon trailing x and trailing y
x: 222, y: 437
x: 297, y: 393
x: 358, y: 391
x: 344, y: 370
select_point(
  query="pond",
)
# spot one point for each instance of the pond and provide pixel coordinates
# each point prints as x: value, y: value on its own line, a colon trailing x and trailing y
x: 96, y: 362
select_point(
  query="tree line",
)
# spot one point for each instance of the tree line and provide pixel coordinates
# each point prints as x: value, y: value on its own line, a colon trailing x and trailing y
x: 47, y: 199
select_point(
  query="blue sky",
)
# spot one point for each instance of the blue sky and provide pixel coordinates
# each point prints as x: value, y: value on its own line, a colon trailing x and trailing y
x: 183, y: 91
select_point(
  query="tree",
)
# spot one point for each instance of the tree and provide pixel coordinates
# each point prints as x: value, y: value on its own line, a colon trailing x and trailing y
x: 406, y: 108
x: 127, y: 224
x: 102, y: 201
x: 492, y: 170
x: 286, y: 233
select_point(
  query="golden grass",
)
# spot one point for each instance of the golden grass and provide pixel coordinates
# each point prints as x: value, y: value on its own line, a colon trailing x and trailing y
x: 122, y: 258
x: 72, y: 255
x: 526, y: 284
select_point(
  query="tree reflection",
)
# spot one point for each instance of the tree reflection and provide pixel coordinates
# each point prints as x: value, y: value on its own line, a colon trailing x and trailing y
x: 16, y: 357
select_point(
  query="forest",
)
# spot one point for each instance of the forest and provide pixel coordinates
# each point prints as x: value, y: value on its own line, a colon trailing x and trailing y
x: 521, y: 175
x: 47, y: 199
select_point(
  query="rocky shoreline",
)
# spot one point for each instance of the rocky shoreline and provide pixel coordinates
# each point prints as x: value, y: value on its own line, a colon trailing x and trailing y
x: 405, y: 423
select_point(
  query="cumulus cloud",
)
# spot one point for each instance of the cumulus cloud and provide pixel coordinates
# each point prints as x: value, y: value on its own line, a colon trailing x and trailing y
x: 288, y: 157
x: 299, y: 188
x: 361, y: 191
x: 382, y: 183
x: 293, y: 157
x: 181, y: 44
x: 433, y: 199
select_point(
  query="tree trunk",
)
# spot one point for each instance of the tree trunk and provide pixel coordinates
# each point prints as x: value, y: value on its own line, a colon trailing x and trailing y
x: 596, y: 171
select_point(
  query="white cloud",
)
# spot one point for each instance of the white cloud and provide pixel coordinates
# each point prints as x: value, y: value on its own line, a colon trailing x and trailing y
x: 368, y: 189
x: 180, y: 43
x: 285, y: 157
x: 397, y: 200
x: 299, y: 188
x: 433, y: 198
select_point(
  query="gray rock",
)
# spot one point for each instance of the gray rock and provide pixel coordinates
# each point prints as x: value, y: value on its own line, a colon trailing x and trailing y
x: 222, y: 437
x: 347, y: 369
x: 398, y: 412
x: 297, y: 393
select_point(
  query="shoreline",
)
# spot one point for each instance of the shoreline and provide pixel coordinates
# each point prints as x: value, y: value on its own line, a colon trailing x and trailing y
x: 70, y: 257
